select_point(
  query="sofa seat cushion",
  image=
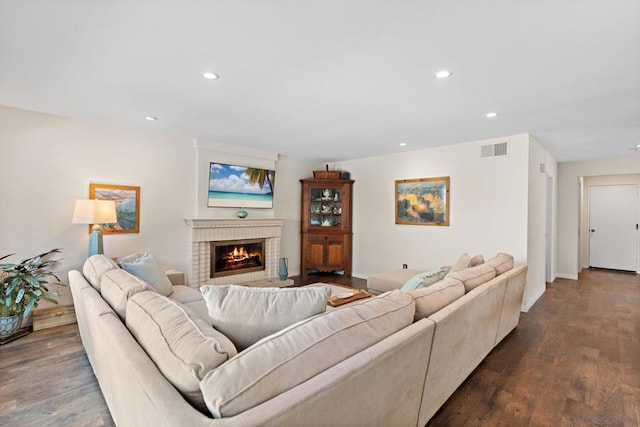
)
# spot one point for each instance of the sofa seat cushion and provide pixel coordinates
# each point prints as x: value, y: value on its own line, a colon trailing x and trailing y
x: 474, y: 276
x: 435, y: 297
x: 185, y: 294
x: 94, y: 267
x: 423, y: 280
x: 501, y: 262
x: 290, y: 357
x: 246, y: 314
x: 146, y: 267
x: 390, y: 280
x: 117, y: 286
x: 181, y: 344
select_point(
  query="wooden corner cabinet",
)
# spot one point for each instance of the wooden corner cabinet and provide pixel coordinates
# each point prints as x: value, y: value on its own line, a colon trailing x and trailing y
x: 326, y: 230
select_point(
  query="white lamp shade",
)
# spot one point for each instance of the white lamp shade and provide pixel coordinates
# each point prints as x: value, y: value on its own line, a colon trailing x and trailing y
x: 94, y: 212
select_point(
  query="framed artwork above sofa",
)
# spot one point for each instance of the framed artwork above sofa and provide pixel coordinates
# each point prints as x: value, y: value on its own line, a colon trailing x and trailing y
x: 422, y: 201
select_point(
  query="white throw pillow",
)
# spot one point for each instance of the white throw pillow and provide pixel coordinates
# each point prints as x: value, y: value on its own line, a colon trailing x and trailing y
x: 145, y: 267
x: 423, y: 280
x: 246, y: 315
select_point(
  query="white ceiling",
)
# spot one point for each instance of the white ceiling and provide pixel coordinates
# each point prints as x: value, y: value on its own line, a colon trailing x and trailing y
x: 334, y: 79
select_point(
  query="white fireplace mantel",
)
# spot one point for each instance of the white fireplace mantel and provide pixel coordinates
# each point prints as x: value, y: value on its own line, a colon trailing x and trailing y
x: 204, y: 231
x: 195, y: 223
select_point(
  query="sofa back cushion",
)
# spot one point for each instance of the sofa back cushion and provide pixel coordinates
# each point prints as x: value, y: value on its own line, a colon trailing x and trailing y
x: 435, y: 297
x: 182, y: 345
x: 117, y: 286
x: 432, y: 298
x: 246, y: 315
x: 501, y: 262
x: 290, y: 357
x: 94, y: 267
x: 475, y: 276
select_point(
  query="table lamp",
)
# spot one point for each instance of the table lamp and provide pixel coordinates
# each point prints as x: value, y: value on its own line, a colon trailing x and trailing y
x: 95, y: 212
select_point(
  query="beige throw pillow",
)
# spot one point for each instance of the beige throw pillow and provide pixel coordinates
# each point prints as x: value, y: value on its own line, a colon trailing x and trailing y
x: 246, y: 315
x: 476, y: 260
x: 460, y: 264
x: 501, y: 262
x: 292, y: 356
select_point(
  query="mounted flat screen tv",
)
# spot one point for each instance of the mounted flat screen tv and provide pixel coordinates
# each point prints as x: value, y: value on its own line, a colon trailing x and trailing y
x: 232, y: 186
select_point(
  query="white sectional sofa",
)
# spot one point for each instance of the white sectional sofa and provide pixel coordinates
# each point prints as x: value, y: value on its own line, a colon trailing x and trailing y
x: 387, y: 360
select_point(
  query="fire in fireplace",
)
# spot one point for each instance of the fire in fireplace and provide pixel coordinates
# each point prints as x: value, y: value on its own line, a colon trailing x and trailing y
x: 236, y: 257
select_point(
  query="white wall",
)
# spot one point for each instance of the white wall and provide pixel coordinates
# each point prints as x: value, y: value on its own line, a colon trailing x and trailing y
x: 537, y: 221
x: 569, y: 205
x: 289, y: 205
x: 48, y: 163
x: 488, y: 210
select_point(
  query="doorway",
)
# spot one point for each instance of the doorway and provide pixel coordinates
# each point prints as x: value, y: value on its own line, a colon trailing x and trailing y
x: 613, y: 226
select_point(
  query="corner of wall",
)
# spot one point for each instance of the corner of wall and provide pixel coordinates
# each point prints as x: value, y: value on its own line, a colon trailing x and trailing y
x: 526, y: 305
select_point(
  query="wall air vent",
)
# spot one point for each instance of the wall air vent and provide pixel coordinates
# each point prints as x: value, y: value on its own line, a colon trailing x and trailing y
x: 494, y: 150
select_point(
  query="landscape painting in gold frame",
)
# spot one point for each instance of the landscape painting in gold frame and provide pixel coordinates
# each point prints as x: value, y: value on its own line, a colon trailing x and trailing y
x: 127, y: 200
x: 423, y: 201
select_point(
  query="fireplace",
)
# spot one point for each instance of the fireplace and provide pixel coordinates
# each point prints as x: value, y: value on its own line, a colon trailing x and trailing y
x: 204, y: 231
x: 231, y: 257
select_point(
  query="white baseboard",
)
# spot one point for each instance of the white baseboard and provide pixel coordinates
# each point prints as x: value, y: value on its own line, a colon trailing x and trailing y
x: 526, y: 305
x: 360, y: 275
x: 567, y: 276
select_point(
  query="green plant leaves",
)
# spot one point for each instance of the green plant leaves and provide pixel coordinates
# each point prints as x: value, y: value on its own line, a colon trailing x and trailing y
x: 23, y: 285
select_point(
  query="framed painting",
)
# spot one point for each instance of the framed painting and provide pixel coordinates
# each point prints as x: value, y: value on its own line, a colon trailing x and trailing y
x: 423, y: 201
x: 127, y: 200
x: 232, y: 186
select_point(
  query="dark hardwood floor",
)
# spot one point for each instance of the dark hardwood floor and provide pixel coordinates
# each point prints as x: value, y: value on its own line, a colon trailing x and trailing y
x: 574, y: 360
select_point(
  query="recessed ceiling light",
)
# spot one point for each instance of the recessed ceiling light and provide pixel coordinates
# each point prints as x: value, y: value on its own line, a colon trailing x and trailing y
x: 403, y: 144
x: 492, y: 115
x: 151, y: 118
x: 443, y: 74
x: 637, y: 147
x: 210, y: 76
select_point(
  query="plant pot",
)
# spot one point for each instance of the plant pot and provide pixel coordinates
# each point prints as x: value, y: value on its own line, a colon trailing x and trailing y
x: 9, y: 325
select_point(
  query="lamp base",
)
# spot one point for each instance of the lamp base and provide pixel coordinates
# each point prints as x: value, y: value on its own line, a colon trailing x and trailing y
x: 95, y: 241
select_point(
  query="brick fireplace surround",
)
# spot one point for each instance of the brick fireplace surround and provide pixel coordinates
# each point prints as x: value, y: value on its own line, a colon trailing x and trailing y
x: 204, y: 231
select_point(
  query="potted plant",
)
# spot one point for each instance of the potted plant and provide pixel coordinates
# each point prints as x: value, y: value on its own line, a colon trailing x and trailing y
x: 22, y: 286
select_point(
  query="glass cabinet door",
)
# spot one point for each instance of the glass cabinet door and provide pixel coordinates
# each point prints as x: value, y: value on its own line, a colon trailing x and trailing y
x: 326, y: 207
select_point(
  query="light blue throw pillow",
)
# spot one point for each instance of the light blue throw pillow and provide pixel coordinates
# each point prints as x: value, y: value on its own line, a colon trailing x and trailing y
x: 424, y: 279
x: 145, y: 267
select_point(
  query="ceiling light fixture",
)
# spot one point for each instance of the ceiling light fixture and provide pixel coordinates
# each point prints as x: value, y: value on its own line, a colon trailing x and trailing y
x: 403, y: 144
x: 210, y: 76
x: 443, y: 74
x: 637, y: 147
x: 492, y: 115
x: 151, y: 118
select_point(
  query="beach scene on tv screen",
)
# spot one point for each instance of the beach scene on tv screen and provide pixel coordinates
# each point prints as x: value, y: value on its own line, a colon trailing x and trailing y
x: 235, y: 186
